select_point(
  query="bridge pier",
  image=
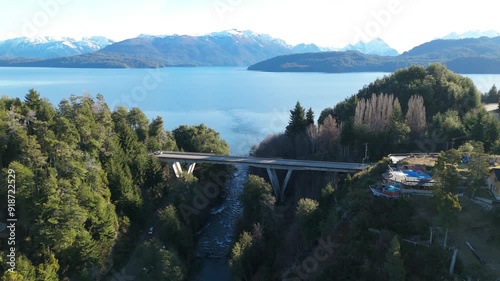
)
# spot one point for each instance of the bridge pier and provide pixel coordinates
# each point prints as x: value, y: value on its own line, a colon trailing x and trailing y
x: 279, y: 190
x: 178, y: 169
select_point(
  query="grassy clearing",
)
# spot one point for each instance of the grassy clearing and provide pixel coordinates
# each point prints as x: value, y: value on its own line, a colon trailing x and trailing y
x: 476, y: 227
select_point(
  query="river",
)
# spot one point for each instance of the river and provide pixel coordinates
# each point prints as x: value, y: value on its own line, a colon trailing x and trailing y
x: 217, y: 237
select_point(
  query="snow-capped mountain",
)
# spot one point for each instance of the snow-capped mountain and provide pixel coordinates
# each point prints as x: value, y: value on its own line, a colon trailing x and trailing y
x: 226, y: 48
x: 246, y: 34
x: 375, y: 47
x: 472, y: 34
x: 50, y: 47
x: 306, y: 48
x: 230, y: 47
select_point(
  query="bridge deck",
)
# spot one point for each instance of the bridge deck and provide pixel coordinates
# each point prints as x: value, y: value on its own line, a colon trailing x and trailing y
x: 287, y: 164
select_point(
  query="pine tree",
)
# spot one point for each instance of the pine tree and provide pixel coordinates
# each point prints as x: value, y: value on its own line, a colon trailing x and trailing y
x: 310, y: 116
x: 298, y: 122
x: 397, y: 130
x: 447, y: 202
x: 139, y: 123
x: 239, y: 256
x: 394, y: 265
x: 32, y: 100
x: 492, y: 95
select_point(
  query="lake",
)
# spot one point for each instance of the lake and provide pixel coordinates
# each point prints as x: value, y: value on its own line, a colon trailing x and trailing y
x: 244, y: 106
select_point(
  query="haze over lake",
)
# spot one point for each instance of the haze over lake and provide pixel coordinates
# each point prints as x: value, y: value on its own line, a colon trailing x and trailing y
x: 244, y: 106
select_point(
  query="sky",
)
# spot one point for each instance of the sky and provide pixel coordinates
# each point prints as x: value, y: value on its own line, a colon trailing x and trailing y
x: 402, y: 24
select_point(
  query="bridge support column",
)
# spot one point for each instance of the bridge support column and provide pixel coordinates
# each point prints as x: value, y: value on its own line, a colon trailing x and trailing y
x: 279, y: 190
x: 178, y: 169
x: 191, y: 168
x: 285, y: 183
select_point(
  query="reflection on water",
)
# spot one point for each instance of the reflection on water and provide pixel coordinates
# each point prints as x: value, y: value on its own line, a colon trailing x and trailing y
x: 241, y: 129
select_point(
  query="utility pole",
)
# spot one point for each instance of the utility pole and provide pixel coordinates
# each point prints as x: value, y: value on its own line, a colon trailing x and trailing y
x: 453, y: 260
x: 366, y: 152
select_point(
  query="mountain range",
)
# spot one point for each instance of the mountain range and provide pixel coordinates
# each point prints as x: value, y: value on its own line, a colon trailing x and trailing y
x: 50, y: 47
x: 226, y: 48
x: 242, y: 48
x: 471, y: 34
x: 375, y: 47
x: 471, y: 55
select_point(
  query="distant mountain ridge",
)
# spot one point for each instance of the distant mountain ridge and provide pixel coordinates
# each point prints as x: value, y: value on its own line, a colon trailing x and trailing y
x: 471, y: 34
x: 228, y: 48
x: 243, y: 48
x: 50, y: 47
x: 472, y: 55
x: 225, y: 48
x: 375, y: 47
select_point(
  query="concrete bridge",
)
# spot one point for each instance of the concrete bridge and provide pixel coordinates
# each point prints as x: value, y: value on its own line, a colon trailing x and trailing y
x: 270, y: 164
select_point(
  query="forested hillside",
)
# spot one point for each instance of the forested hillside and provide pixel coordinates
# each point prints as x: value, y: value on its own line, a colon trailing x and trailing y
x: 86, y: 186
x: 330, y: 227
x: 472, y: 55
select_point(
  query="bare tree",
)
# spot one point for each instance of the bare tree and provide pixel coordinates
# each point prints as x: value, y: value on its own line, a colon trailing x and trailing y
x: 415, y: 116
x: 375, y: 112
x: 328, y: 137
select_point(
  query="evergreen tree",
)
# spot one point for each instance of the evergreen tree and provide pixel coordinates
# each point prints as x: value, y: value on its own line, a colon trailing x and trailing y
x: 32, y: 100
x: 258, y: 201
x: 47, y: 271
x: 200, y: 139
x: 491, y: 96
x: 478, y: 168
x: 25, y: 268
x: 239, y: 261
x: 444, y: 195
x: 324, y: 114
x: 298, y: 122
x: 397, y: 130
x: 493, y: 90
x: 13, y: 276
x: 394, y: 265
x: 159, y: 264
x: 139, y: 123
x: 307, y: 214
x: 449, y: 123
x: 310, y: 116
x: 482, y: 126
x: 159, y: 139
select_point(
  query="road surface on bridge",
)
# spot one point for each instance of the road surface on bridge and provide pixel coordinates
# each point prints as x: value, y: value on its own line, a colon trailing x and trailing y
x: 276, y: 163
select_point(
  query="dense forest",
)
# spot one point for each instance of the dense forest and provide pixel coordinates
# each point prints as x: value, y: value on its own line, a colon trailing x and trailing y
x: 330, y: 227
x: 87, y: 187
x: 415, y: 109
